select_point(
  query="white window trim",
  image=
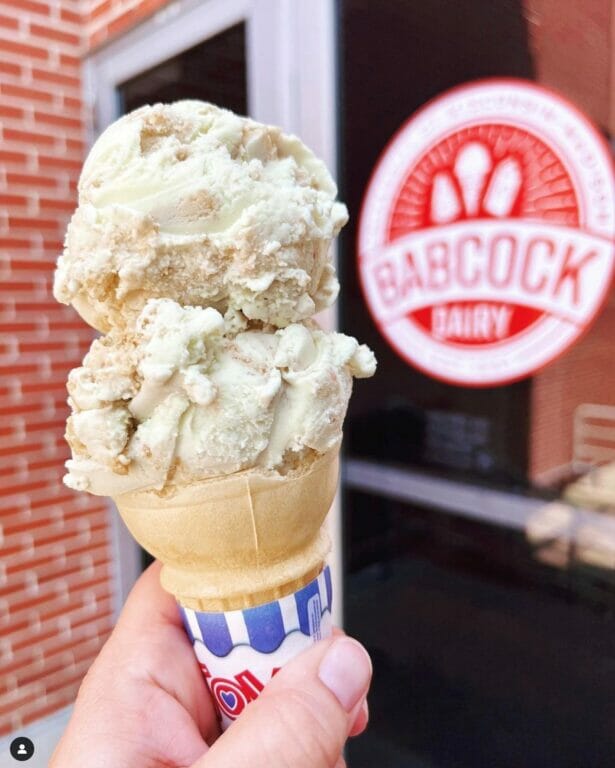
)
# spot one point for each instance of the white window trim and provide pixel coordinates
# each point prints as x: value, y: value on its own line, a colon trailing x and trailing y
x: 291, y: 82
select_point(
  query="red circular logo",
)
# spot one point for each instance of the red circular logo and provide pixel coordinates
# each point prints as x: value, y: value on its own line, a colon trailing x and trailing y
x: 486, y: 235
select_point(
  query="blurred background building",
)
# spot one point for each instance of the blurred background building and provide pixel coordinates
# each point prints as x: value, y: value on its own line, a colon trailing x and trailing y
x: 478, y: 540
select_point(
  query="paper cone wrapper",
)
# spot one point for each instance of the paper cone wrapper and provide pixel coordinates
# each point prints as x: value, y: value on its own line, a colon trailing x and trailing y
x: 237, y: 541
x: 240, y: 651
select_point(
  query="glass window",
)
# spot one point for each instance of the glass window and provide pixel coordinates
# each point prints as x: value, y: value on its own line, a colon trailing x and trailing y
x: 214, y: 70
x: 479, y: 539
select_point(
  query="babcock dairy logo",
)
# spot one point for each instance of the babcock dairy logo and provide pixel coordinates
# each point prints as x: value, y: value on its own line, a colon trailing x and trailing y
x: 486, y: 235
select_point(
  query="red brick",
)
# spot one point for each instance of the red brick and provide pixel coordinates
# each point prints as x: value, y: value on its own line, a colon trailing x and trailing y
x: 44, y: 522
x: 17, y: 585
x: 102, y: 621
x: 48, y: 630
x: 10, y: 68
x: 42, y: 305
x: 76, y: 145
x: 59, y: 162
x: 100, y: 10
x: 55, y: 245
x: 28, y: 137
x: 47, y: 345
x: 71, y: 16
x: 44, y: 386
x: 29, y: 5
x: 124, y: 20
x: 37, y: 406
x: 59, y: 78
x: 36, y: 265
x: 15, y: 242
x: 16, y: 370
x: 30, y: 179
x: 71, y: 530
x: 12, y: 199
x: 62, y: 679
x: 44, y: 426
x: 44, y: 596
x: 49, y: 204
x: 12, y: 112
x: 60, y: 700
x: 94, y: 634
x: 51, y: 33
x: 21, y: 697
x: 9, y: 450
x: 26, y: 657
x: 8, y: 156
x: 74, y: 569
x: 86, y: 650
x: 29, y: 51
x: 8, y: 22
x: 70, y: 102
x: 54, y: 601
x: 21, y: 92
x: 9, y: 490
x: 32, y: 637
x: 67, y: 60
x: 79, y: 584
x: 44, y: 464
x: 55, y: 119
x: 26, y: 676
x: 147, y: 6
x: 32, y: 223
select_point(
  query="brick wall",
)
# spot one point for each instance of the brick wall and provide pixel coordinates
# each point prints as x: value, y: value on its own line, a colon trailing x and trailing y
x: 55, y: 573
x: 107, y: 18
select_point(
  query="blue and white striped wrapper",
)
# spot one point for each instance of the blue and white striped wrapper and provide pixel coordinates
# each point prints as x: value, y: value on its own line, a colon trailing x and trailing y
x: 240, y: 651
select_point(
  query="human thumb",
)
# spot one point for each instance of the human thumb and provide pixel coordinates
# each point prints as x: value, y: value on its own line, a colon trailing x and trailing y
x: 303, y: 717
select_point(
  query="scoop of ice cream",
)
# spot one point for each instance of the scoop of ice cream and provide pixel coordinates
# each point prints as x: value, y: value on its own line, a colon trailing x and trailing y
x: 191, y: 202
x: 178, y: 399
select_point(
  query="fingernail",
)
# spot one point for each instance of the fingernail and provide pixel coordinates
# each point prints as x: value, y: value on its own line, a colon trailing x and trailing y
x: 365, y: 709
x: 346, y: 670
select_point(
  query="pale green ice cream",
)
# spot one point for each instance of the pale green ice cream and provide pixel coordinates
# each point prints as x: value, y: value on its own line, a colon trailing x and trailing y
x: 191, y: 202
x: 178, y: 399
x: 200, y: 246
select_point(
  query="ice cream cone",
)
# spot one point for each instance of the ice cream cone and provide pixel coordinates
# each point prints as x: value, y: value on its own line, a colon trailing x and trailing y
x: 209, y: 363
x: 237, y: 541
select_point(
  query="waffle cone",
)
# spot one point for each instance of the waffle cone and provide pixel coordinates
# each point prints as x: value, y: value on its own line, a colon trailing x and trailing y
x: 240, y: 540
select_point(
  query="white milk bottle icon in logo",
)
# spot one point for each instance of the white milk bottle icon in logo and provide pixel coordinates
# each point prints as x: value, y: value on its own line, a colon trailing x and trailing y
x: 475, y: 186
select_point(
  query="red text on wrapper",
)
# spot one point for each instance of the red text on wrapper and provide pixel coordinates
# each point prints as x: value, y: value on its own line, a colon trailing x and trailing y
x: 233, y: 695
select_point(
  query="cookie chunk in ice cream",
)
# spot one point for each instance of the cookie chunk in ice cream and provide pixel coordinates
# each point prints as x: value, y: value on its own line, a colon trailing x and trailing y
x: 191, y: 202
x: 178, y: 399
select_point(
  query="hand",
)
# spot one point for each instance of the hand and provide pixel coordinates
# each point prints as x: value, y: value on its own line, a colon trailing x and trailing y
x: 144, y: 702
